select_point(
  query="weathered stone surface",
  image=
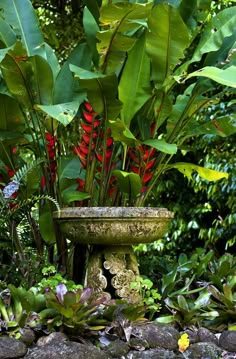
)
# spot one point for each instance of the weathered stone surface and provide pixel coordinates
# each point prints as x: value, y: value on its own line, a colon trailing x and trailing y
x: 117, y: 348
x: 193, y: 336
x: 206, y: 336
x: 27, y: 336
x: 228, y: 340
x: 228, y: 355
x: 55, y: 336
x: 138, y: 343
x: 66, y: 350
x: 158, y: 335
x: 11, y: 348
x: 153, y: 354
x: 203, y: 351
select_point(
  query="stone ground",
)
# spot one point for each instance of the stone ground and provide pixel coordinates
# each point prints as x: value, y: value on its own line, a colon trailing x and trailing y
x: 146, y: 341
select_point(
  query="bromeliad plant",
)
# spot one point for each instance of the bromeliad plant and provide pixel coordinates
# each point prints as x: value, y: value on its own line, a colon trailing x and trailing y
x: 108, y: 123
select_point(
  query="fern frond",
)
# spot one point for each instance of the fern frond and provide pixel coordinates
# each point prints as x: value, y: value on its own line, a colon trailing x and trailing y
x: 24, y: 170
x: 34, y: 199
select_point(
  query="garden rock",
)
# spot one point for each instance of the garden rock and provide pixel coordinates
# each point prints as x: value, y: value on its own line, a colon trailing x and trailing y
x: 193, y: 336
x: 55, y: 336
x: 228, y: 340
x: 66, y: 350
x: 118, y: 348
x: 27, y: 336
x: 11, y: 348
x: 153, y: 354
x: 158, y: 335
x: 203, y: 351
x: 206, y: 336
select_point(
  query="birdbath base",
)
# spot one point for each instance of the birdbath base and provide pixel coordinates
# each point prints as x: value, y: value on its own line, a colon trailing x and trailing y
x: 110, y: 271
x: 109, y: 233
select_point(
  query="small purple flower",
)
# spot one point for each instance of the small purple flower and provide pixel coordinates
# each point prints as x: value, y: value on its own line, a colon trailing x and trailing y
x: 85, y: 295
x: 61, y: 290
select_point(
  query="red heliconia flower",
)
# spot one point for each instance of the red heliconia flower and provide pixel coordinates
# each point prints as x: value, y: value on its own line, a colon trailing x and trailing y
x: 51, y: 141
x: 81, y: 184
x: 91, y: 143
x: 142, y: 162
x: 88, y: 106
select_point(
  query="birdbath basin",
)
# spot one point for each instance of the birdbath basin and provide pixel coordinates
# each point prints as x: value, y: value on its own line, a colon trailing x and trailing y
x: 108, y: 226
x: 111, y: 232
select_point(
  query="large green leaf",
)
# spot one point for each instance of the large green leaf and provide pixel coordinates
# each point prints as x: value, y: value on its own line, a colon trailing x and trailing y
x: 52, y: 61
x: 17, y: 71
x: 221, y: 126
x: 7, y: 35
x: 66, y: 87
x: 29, y: 79
x: 20, y: 15
x: 63, y: 112
x: 206, y: 173
x: 113, y: 43
x: 101, y: 91
x: 70, y: 194
x: 162, y: 146
x: 128, y: 182
x: 91, y: 28
x: 121, y: 133
x: 46, y: 224
x: 165, y: 44
x: 135, y: 90
x: 225, y: 77
x: 41, y: 84
x: 222, y: 25
x: 186, y: 106
x: 11, y: 118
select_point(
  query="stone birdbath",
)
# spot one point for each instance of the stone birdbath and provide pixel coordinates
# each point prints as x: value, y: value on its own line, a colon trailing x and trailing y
x: 111, y: 232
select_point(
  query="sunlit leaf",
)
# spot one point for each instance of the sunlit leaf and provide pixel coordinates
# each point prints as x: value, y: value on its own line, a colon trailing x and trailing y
x: 225, y: 77
x: 206, y: 173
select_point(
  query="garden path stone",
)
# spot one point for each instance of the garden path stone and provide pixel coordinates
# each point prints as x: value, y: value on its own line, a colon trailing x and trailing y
x: 66, y: 350
x: 55, y: 336
x: 153, y: 354
x: 203, y: 351
x: 206, y: 336
x: 228, y: 340
x: 118, y: 348
x: 11, y: 348
x: 158, y: 335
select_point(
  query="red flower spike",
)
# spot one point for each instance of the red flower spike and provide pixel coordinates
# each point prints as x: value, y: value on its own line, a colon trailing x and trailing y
x: 108, y: 156
x: 146, y: 177
x: 150, y: 164
x: 88, y: 106
x: 89, y: 116
x: 135, y: 169
x: 110, y: 142
x: 86, y: 138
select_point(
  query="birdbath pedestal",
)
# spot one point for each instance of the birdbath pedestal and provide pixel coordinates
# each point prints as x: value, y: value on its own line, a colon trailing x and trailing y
x: 110, y: 233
